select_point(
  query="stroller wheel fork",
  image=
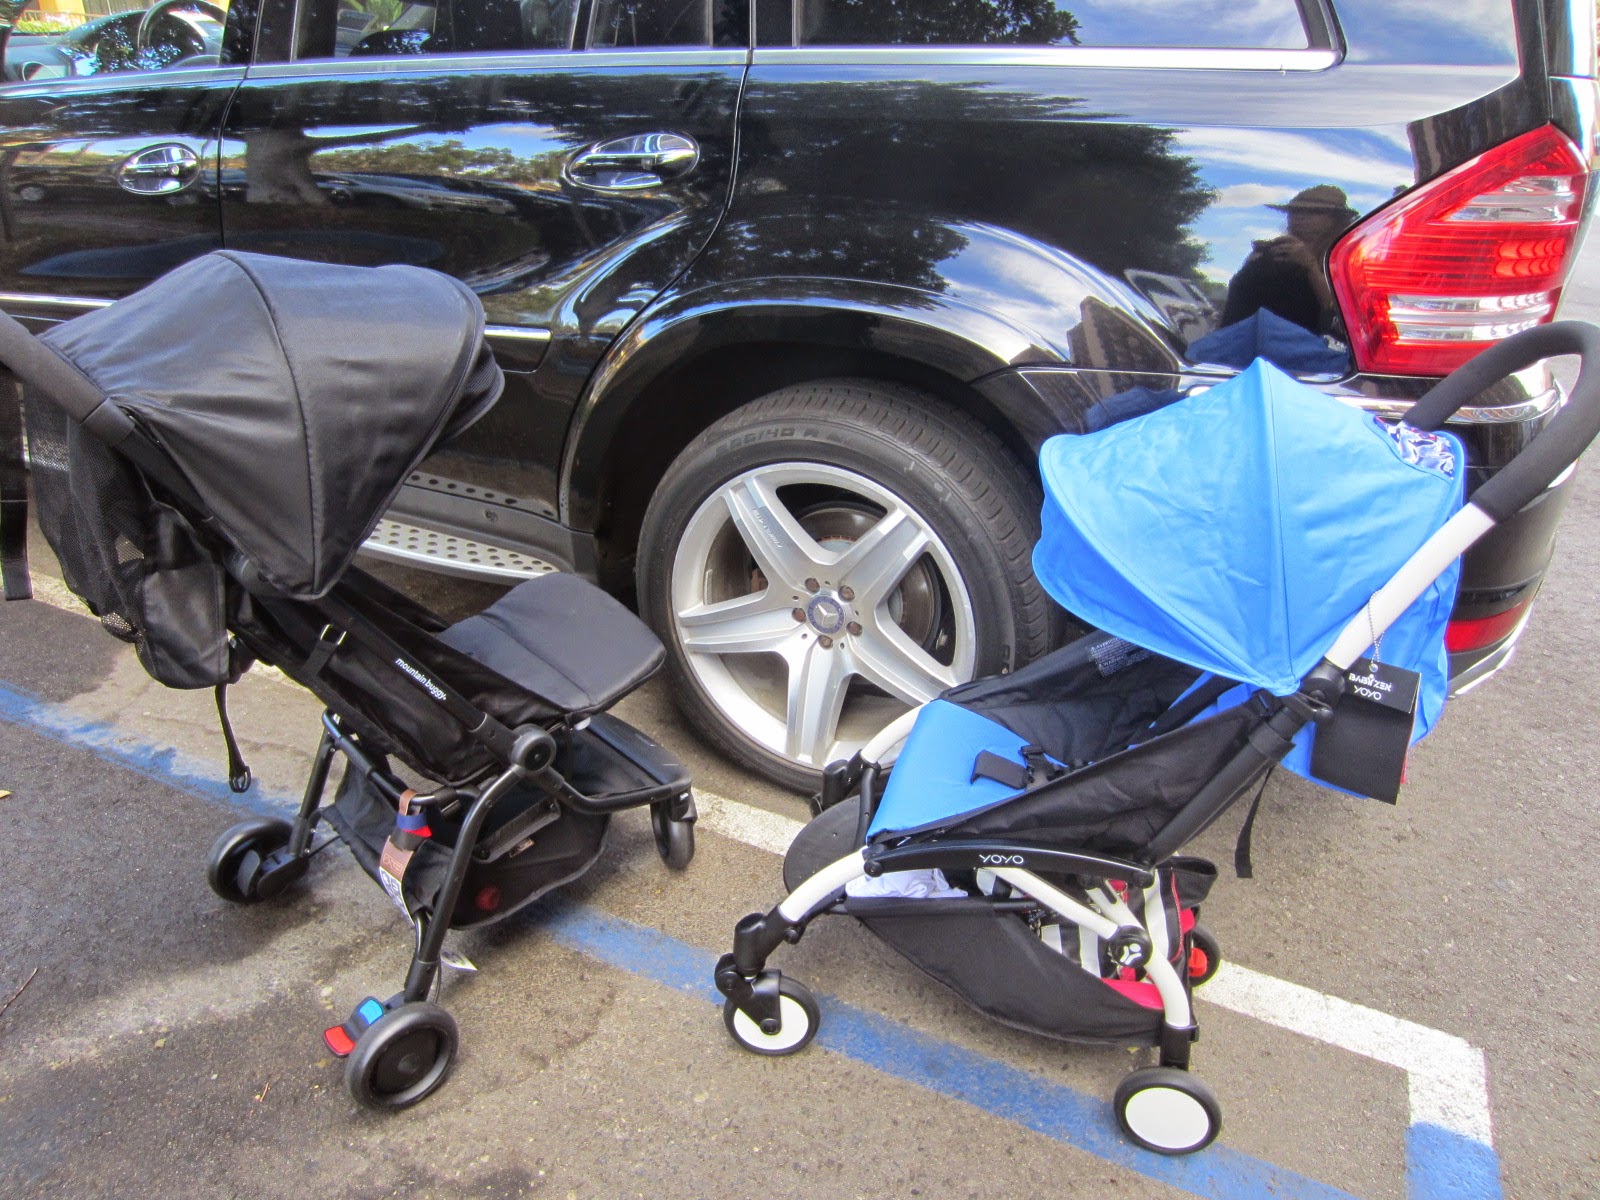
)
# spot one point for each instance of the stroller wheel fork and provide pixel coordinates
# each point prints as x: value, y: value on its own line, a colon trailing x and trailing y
x: 767, y: 1014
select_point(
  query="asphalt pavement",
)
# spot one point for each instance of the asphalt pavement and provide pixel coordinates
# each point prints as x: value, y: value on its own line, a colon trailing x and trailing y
x: 1409, y: 1007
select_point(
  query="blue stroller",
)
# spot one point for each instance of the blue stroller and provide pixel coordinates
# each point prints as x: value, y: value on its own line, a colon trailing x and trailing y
x: 1270, y: 572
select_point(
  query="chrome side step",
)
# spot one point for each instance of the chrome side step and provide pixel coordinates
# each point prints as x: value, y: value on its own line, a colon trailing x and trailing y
x: 448, y: 554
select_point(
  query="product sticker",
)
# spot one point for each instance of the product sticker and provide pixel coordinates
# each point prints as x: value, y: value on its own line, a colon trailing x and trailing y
x: 391, y: 870
x: 1116, y: 654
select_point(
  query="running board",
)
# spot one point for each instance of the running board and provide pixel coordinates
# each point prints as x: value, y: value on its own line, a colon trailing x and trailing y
x: 449, y: 554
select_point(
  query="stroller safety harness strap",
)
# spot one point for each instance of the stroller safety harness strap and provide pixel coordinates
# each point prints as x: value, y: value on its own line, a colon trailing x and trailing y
x: 13, y: 493
x: 989, y: 765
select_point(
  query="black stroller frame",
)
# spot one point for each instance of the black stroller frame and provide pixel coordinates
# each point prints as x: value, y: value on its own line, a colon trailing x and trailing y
x: 1162, y: 1108
x: 505, y: 710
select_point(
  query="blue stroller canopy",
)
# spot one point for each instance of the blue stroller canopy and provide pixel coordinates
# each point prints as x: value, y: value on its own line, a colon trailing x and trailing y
x: 1239, y: 530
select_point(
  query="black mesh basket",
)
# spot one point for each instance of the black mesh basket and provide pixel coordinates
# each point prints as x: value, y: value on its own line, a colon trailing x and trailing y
x: 137, y: 564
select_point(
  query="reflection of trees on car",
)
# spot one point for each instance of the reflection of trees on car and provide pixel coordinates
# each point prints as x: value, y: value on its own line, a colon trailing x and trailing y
x: 1084, y: 199
x: 916, y: 23
x: 447, y: 157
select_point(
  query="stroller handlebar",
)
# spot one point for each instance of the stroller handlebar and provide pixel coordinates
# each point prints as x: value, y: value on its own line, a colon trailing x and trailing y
x: 1556, y: 446
x: 42, y: 369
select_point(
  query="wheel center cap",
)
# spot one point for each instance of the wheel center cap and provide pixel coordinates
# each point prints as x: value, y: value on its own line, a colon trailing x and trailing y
x: 825, y: 614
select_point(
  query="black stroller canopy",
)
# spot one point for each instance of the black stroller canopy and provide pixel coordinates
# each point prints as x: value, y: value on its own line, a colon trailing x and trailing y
x: 294, y: 397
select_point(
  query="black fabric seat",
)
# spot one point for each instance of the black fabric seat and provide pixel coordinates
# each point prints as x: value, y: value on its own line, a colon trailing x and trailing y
x: 563, y: 639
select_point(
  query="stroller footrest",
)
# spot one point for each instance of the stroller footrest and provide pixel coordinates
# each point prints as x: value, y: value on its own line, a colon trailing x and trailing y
x: 613, y: 766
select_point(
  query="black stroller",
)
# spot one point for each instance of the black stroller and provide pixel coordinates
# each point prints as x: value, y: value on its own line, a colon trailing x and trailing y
x: 207, y: 507
x: 1021, y: 846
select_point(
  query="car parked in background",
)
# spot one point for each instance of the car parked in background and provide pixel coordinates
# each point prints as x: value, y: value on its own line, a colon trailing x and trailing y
x: 789, y: 292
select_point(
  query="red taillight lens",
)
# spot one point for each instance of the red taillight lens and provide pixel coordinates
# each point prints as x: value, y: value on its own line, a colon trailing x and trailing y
x: 1482, y: 631
x: 1464, y: 260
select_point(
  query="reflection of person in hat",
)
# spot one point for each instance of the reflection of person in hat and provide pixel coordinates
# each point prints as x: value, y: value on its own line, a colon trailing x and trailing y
x: 1289, y: 274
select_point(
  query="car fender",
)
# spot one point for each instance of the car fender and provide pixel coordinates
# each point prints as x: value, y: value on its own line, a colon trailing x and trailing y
x: 993, y: 300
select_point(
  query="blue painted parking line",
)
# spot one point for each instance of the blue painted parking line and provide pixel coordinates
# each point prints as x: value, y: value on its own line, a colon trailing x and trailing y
x: 1059, y: 1112
x: 1441, y: 1165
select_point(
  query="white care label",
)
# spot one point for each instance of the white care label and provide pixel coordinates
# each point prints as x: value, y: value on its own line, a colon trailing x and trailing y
x: 391, y: 885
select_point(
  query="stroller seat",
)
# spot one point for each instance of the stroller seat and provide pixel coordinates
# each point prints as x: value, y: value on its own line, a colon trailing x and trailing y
x: 563, y: 640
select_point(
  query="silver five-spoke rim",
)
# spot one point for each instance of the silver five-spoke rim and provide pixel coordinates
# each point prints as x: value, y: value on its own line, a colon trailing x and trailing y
x: 814, y: 606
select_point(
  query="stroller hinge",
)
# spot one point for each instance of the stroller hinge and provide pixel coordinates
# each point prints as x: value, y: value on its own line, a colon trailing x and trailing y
x: 755, y: 938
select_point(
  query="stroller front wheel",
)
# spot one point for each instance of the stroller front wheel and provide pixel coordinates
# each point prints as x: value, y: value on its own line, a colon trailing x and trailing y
x: 1168, y: 1110
x: 402, y: 1057
x: 798, y: 1013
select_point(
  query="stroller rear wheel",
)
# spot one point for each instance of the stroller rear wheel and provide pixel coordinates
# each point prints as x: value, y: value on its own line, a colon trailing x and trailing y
x: 1167, y: 1110
x: 234, y: 866
x: 1205, y: 955
x: 799, y: 1016
x: 402, y: 1057
x: 674, y: 838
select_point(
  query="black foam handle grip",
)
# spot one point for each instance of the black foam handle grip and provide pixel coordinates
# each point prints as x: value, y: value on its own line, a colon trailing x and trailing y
x: 46, y: 373
x: 1556, y: 446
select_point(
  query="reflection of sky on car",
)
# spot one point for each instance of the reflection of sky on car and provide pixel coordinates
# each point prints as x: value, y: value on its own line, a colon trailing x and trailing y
x: 1477, y: 32
x: 1253, y: 23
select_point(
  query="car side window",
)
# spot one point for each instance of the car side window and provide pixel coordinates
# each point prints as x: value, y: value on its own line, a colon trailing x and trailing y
x: 371, y: 28
x: 625, y: 23
x: 1187, y: 24
x: 121, y: 36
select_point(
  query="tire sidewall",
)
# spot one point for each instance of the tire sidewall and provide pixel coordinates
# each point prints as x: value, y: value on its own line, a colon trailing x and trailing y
x: 745, y: 441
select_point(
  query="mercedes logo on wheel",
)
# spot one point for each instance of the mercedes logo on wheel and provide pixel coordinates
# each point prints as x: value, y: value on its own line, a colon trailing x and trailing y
x: 825, y: 614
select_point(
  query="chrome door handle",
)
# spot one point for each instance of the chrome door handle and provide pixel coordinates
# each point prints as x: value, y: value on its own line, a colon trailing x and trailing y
x: 159, y: 170
x: 639, y: 160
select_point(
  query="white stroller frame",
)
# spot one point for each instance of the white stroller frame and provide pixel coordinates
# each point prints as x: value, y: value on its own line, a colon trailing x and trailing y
x: 1161, y: 1108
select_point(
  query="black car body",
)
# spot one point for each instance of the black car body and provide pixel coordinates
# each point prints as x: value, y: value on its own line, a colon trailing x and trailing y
x: 789, y: 292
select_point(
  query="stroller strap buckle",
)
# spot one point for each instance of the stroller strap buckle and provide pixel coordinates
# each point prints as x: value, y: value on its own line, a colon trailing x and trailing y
x: 989, y: 765
x: 329, y: 640
x: 1036, y: 766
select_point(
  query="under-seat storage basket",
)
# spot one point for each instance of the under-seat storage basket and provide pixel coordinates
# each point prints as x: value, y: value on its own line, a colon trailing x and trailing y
x: 529, y: 843
x: 998, y: 962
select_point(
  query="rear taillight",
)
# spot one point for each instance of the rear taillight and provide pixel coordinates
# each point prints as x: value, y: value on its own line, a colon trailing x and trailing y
x: 1475, y: 634
x: 1464, y: 260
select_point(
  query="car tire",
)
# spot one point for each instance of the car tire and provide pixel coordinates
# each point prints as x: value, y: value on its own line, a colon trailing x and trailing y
x: 828, y: 554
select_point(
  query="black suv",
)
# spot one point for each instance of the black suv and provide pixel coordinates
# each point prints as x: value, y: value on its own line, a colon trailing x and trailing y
x: 790, y: 291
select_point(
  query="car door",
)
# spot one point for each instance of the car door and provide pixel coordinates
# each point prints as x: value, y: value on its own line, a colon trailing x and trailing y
x: 108, y: 147
x: 565, y: 160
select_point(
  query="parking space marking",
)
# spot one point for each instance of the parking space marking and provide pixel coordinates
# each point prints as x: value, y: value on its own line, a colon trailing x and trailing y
x: 1449, y: 1154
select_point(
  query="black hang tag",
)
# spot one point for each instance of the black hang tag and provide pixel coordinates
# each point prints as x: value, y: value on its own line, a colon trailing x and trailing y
x: 1379, y: 683
x: 1362, y: 749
